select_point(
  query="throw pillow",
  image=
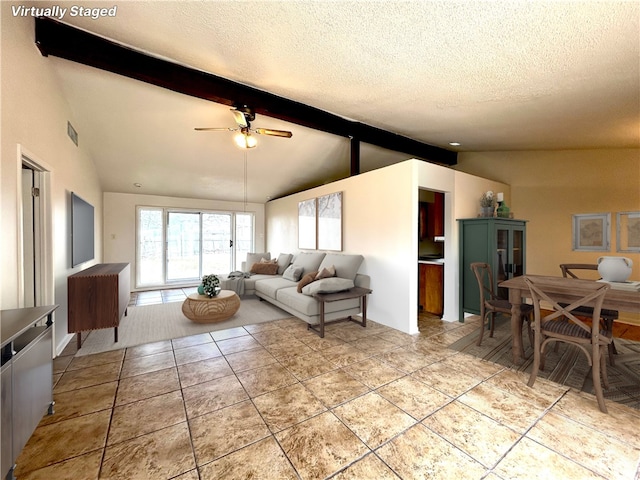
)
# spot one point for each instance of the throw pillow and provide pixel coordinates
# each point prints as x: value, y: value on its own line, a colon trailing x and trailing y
x: 326, y: 273
x: 293, y: 273
x: 328, y: 285
x: 284, y: 260
x: 265, y: 268
x: 306, y: 280
x: 256, y: 257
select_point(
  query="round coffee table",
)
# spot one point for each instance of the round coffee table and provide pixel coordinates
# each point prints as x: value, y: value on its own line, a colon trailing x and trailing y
x: 203, y: 309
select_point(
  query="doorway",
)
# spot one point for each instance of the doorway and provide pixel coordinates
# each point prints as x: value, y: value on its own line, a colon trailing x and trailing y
x: 35, y: 283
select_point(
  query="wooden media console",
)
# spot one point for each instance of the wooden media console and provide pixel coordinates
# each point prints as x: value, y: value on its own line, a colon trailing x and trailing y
x: 98, y: 298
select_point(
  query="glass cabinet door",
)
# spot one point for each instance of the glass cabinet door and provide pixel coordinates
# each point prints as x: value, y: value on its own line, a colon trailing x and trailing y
x: 502, y: 269
x: 509, y: 256
x: 517, y: 260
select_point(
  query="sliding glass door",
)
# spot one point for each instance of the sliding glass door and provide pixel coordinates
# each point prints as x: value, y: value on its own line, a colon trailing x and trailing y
x: 179, y: 247
x: 216, y: 243
x: 183, y: 246
x: 150, y: 251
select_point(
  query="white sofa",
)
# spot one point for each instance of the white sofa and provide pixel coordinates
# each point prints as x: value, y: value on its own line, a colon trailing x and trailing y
x: 281, y: 289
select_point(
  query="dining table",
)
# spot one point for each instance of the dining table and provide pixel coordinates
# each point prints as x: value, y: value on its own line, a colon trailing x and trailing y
x: 564, y: 290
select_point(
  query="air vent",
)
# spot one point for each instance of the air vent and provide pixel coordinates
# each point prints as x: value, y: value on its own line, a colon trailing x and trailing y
x: 73, y: 135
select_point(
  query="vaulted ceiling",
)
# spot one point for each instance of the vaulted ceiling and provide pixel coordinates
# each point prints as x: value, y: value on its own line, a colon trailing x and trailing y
x: 499, y: 75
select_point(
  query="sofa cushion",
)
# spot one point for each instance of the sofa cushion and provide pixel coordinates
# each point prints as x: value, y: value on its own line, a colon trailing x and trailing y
x: 328, y: 285
x: 309, y: 261
x: 270, y: 286
x: 306, y: 280
x: 256, y: 257
x: 310, y: 306
x: 284, y: 260
x: 346, y: 265
x: 293, y: 273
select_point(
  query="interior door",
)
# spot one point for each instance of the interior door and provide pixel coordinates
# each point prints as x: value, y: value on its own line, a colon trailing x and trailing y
x: 31, y: 236
x: 183, y: 246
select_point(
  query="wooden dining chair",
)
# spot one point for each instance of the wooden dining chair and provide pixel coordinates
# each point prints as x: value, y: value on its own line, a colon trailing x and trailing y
x: 561, y: 325
x: 607, y: 317
x: 491, y: 304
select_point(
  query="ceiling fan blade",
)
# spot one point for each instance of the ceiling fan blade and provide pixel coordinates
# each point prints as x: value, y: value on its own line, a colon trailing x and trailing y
x: 240, y: 118
x: 274, y: 133
x: 215, y: 129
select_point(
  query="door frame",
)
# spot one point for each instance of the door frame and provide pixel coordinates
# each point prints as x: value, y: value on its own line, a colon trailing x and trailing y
x: 45, y: 281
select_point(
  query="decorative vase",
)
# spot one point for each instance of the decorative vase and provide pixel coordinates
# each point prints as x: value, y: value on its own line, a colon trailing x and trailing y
x: 487, y: 211
x: 614, y: 269
x: 502, y: 210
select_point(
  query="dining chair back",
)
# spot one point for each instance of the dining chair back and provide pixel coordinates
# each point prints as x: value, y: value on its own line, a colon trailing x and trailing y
x: 491, y: 304
x: 560, y: 324
x: 607, y: 317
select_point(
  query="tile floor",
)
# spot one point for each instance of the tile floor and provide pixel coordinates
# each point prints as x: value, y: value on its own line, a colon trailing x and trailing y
x: 274, y: 401
x: 152, y: 297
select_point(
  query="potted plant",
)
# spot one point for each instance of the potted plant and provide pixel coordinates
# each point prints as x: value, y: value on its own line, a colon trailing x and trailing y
x: 210, y: 286
x: 488, y: 203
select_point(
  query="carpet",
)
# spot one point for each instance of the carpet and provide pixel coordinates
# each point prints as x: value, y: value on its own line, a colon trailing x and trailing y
x: 153, y: 323
x: 568, y: 366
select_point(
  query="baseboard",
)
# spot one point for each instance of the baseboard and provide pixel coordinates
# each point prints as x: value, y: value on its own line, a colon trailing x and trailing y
x: 65, y: 341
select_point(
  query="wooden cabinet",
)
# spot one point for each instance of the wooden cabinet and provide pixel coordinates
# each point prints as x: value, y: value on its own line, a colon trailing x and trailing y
x: 500, y: 242
x: 435, y: 215
x: 431, y: 288
x: 98, y: 297
x: 431, y: 218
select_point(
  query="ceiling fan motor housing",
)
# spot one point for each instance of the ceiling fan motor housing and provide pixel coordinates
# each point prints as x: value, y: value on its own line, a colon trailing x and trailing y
x: 248, y: 112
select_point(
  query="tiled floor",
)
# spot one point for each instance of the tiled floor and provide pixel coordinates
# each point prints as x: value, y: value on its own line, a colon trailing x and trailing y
x: 152, y: 297
x: 274, y: 401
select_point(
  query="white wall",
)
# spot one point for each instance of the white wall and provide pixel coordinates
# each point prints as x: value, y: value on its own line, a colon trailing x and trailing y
x: 34, y: 118
x: 120, y: 221
x: 380, y: 221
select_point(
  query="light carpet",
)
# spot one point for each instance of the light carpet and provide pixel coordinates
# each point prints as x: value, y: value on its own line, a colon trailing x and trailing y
x: 153, y: 323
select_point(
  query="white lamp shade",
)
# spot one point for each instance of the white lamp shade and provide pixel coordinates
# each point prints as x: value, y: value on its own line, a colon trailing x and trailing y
x: 245, y: 140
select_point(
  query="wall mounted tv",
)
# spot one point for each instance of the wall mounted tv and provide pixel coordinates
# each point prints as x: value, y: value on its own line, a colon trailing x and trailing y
x: 82, y: 231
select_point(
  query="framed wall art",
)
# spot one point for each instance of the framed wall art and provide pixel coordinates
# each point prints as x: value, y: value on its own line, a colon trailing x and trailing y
x: 628, y: 231
x: 330, y: 222
x: 307, y: 224
x: 591, y: 232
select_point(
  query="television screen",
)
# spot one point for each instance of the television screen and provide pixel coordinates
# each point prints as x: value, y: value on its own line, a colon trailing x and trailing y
x: 82, y: 231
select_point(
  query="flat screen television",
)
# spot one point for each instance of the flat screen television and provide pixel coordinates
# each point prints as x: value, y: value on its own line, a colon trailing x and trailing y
x: 82, y: 231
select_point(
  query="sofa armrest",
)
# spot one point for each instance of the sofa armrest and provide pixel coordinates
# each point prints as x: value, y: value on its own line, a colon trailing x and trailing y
x: 362, y: 280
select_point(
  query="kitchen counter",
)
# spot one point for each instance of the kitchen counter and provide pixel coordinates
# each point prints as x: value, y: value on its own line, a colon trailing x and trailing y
x: 434, y: 261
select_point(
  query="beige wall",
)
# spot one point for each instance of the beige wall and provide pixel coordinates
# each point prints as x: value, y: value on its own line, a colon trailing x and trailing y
x: 548, y: 187
x: 120, y: 221
x: 380, y: 211
x: 34, y: 118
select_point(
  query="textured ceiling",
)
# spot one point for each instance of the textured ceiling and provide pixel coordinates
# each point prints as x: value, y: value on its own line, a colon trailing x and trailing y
x: 501, y: 75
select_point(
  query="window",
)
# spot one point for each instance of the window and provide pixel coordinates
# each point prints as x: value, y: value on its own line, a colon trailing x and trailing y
x: 180, y: 246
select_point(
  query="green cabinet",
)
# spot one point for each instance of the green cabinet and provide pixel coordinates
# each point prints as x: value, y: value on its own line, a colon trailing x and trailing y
x: 500, y: 242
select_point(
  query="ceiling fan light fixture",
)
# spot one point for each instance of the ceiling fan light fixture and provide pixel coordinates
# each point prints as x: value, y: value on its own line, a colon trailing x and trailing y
x: 245, y: 140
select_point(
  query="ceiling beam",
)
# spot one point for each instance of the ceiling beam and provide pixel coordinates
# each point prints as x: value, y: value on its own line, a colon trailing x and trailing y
x: 64, y: 41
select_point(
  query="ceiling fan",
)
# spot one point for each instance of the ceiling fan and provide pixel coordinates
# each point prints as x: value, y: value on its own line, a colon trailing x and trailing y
x: 243, y: 116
